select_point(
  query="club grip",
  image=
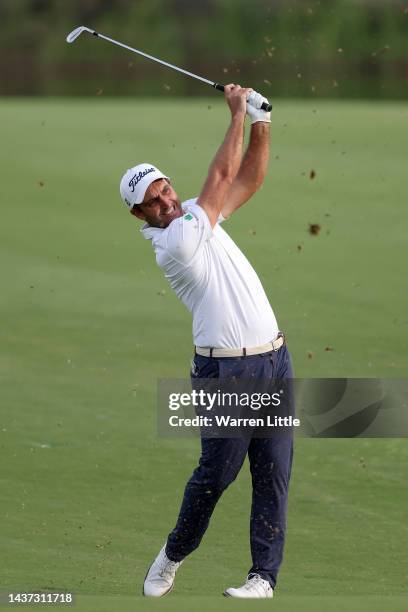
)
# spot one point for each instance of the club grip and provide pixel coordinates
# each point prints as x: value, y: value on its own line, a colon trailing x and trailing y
x: 265, y: 106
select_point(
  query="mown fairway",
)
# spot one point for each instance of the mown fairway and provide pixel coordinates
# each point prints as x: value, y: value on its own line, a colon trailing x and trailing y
x: 88, y: 325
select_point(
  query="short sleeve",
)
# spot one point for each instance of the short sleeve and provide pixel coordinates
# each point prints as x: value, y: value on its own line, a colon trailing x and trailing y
x: 187, y: 235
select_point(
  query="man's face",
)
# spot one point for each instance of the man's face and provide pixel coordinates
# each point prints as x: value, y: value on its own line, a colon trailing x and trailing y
x: 160, y: 205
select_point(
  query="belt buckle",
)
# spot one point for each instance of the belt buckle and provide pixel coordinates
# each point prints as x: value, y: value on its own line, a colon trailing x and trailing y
x: 280, y: 335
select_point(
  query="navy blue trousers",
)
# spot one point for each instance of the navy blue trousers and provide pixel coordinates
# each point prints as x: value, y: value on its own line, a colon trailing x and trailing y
x: 221, y: 459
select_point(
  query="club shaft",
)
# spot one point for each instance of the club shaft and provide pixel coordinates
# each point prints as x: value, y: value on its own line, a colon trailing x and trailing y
x: 75, y: 33
x: 155, y: 59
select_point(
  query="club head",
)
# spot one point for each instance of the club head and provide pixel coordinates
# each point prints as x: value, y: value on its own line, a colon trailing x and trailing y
x: 72, y: 36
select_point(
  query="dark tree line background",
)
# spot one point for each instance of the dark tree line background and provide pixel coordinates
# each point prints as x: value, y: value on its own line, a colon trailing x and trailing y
x: 334, y: 48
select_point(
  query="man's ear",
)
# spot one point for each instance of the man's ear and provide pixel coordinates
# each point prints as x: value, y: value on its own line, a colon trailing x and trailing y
x: 137, y: 213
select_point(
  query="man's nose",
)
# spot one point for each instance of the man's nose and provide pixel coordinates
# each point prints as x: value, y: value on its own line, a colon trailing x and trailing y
x: 165, y: 202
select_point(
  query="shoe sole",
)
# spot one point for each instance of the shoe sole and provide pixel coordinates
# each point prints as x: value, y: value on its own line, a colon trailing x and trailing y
x: 225, y: 594
x: 154, y: 596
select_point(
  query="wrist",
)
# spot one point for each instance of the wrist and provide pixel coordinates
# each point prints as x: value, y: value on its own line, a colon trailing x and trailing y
x: 238, y: 115
x: 261, y: 124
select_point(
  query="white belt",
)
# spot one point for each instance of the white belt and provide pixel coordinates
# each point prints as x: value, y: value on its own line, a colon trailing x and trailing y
x: 243, y: 352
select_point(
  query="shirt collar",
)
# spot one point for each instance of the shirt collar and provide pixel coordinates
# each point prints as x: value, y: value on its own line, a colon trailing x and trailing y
x: 149, y: 232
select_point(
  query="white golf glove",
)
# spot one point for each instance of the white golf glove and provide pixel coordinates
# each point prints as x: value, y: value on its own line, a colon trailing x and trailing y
x: 254, y: 109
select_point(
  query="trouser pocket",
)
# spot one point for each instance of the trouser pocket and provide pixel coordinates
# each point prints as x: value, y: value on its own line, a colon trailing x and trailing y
x: 204, y: 367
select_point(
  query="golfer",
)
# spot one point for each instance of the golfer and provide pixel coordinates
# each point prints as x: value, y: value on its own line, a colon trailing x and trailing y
x: 235, y: 335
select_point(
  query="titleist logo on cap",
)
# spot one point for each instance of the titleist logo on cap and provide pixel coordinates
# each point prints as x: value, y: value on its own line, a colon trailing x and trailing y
x: 138, y: 177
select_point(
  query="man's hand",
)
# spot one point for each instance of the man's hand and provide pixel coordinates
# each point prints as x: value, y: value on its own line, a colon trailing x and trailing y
x: 254, y: 109
x: 236, y: 97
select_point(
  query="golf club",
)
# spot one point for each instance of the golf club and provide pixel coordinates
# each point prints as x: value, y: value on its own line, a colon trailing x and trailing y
x: 78, y: 31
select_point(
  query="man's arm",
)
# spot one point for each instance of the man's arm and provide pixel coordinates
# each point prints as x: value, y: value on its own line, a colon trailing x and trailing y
x: 252, y: 171
x: 227, y: 160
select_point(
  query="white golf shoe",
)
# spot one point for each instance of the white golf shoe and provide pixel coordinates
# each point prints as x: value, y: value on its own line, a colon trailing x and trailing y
x: 160, y: 577
x: 254, y: 588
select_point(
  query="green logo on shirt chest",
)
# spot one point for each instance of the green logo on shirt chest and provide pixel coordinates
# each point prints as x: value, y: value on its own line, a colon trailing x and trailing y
x: 188, y: 217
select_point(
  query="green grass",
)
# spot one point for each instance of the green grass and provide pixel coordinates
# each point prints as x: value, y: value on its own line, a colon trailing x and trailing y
x: 88, y: 491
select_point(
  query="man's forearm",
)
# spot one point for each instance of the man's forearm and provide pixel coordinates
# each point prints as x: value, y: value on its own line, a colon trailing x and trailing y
x: 226, y: 163
x: 254, y: 164
x: 228, y: 158
x: 252, y: 171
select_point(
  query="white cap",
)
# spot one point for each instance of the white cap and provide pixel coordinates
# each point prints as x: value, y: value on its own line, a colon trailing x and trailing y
x: 135, y: 182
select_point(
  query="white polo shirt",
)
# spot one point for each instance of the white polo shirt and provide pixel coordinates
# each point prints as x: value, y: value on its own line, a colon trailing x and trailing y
x: 214, y: 280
